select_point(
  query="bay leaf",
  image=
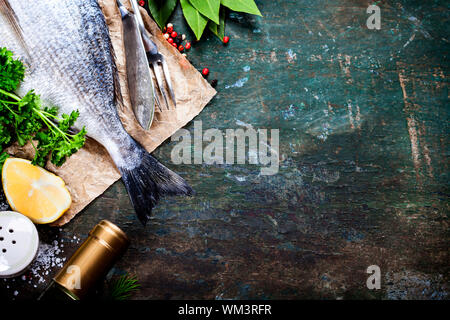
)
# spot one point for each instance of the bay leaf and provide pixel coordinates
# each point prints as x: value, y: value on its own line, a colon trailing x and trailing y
x: 194, y: 18
x: 247, y: 6
x: 218, y: 29
x: 161, y: 10
x: 208, y: 8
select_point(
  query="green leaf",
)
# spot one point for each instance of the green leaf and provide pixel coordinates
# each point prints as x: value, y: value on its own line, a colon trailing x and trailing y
x: 161, y: 10
x: 208, y: 8
x: 247, y: 6
x: 3, y: 157
x: 11, y: 70
x: 218, y: 29
x: 195, y: 19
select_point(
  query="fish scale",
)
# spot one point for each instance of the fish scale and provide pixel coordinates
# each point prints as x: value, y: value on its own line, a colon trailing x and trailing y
x: 71, y: 66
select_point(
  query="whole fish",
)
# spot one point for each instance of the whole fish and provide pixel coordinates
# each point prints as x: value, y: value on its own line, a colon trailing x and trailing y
x: 67, y: 49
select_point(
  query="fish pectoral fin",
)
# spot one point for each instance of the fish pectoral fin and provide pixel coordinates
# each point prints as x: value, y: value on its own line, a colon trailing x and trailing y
x: 8, y: 12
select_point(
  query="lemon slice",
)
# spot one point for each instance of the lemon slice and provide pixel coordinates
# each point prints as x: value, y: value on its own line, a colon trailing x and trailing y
x: 34, y: 192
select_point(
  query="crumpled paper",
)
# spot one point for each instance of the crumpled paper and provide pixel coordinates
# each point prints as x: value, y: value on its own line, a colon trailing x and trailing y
x: 90, y: 171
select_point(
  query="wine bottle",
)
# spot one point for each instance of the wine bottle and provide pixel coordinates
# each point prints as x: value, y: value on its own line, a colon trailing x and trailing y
x: 89, y: 264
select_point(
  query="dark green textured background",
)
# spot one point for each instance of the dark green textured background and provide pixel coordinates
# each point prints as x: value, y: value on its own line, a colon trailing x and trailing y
x: 363, y: 118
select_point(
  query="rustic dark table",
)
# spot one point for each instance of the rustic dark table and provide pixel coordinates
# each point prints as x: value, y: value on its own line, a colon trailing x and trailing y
x: 363, y: 179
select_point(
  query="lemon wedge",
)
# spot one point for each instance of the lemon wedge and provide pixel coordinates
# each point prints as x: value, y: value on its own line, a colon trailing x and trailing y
x: 34, y: 192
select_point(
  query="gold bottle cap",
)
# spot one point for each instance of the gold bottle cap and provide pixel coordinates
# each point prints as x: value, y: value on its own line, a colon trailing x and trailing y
x: 111, y: 236
x: 93, y: 259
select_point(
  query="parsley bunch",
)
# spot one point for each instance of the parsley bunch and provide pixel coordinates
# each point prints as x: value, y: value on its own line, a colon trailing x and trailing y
x: 26, y: 119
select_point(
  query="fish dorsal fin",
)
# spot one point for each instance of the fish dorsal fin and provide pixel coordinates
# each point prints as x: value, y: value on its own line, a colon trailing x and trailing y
x: 117, y: 91
x: 9, y: 13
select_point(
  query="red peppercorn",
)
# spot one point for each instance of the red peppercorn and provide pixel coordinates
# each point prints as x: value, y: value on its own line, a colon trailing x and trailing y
x: 226, y: 39
x: 187, y: 46
x: 170, y: 40
x: 181, y: 48
x: 169, y: 29
x: 141, y: 3
x: 173, y: 34
x: 205, y: 71
x: 174, y: 44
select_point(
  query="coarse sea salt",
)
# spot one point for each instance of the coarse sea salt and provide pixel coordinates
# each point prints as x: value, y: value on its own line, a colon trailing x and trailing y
x: 47, y: 259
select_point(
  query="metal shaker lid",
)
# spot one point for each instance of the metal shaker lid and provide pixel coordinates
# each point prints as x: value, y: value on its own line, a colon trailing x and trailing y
x: 19, y: 243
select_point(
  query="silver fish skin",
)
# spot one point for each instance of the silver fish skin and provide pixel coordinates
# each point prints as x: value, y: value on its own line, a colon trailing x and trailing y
x: 67, y: 49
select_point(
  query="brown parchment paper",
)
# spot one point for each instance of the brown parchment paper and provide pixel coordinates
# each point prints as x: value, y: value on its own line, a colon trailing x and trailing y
x: 90, y: 171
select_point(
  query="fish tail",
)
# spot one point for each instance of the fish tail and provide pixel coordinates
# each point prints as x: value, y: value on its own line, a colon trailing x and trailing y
x: 148, y: 181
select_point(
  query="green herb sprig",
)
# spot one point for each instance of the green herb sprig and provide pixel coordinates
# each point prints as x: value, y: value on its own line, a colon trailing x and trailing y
x: 201, y: 13
x: 26, y: 119
x: 123, y: 287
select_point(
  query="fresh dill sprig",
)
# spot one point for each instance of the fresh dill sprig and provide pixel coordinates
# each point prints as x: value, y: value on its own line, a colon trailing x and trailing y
x: 124, y: 286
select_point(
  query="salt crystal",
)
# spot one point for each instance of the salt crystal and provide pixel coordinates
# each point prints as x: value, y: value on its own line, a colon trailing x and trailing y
x: 46, y: 260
